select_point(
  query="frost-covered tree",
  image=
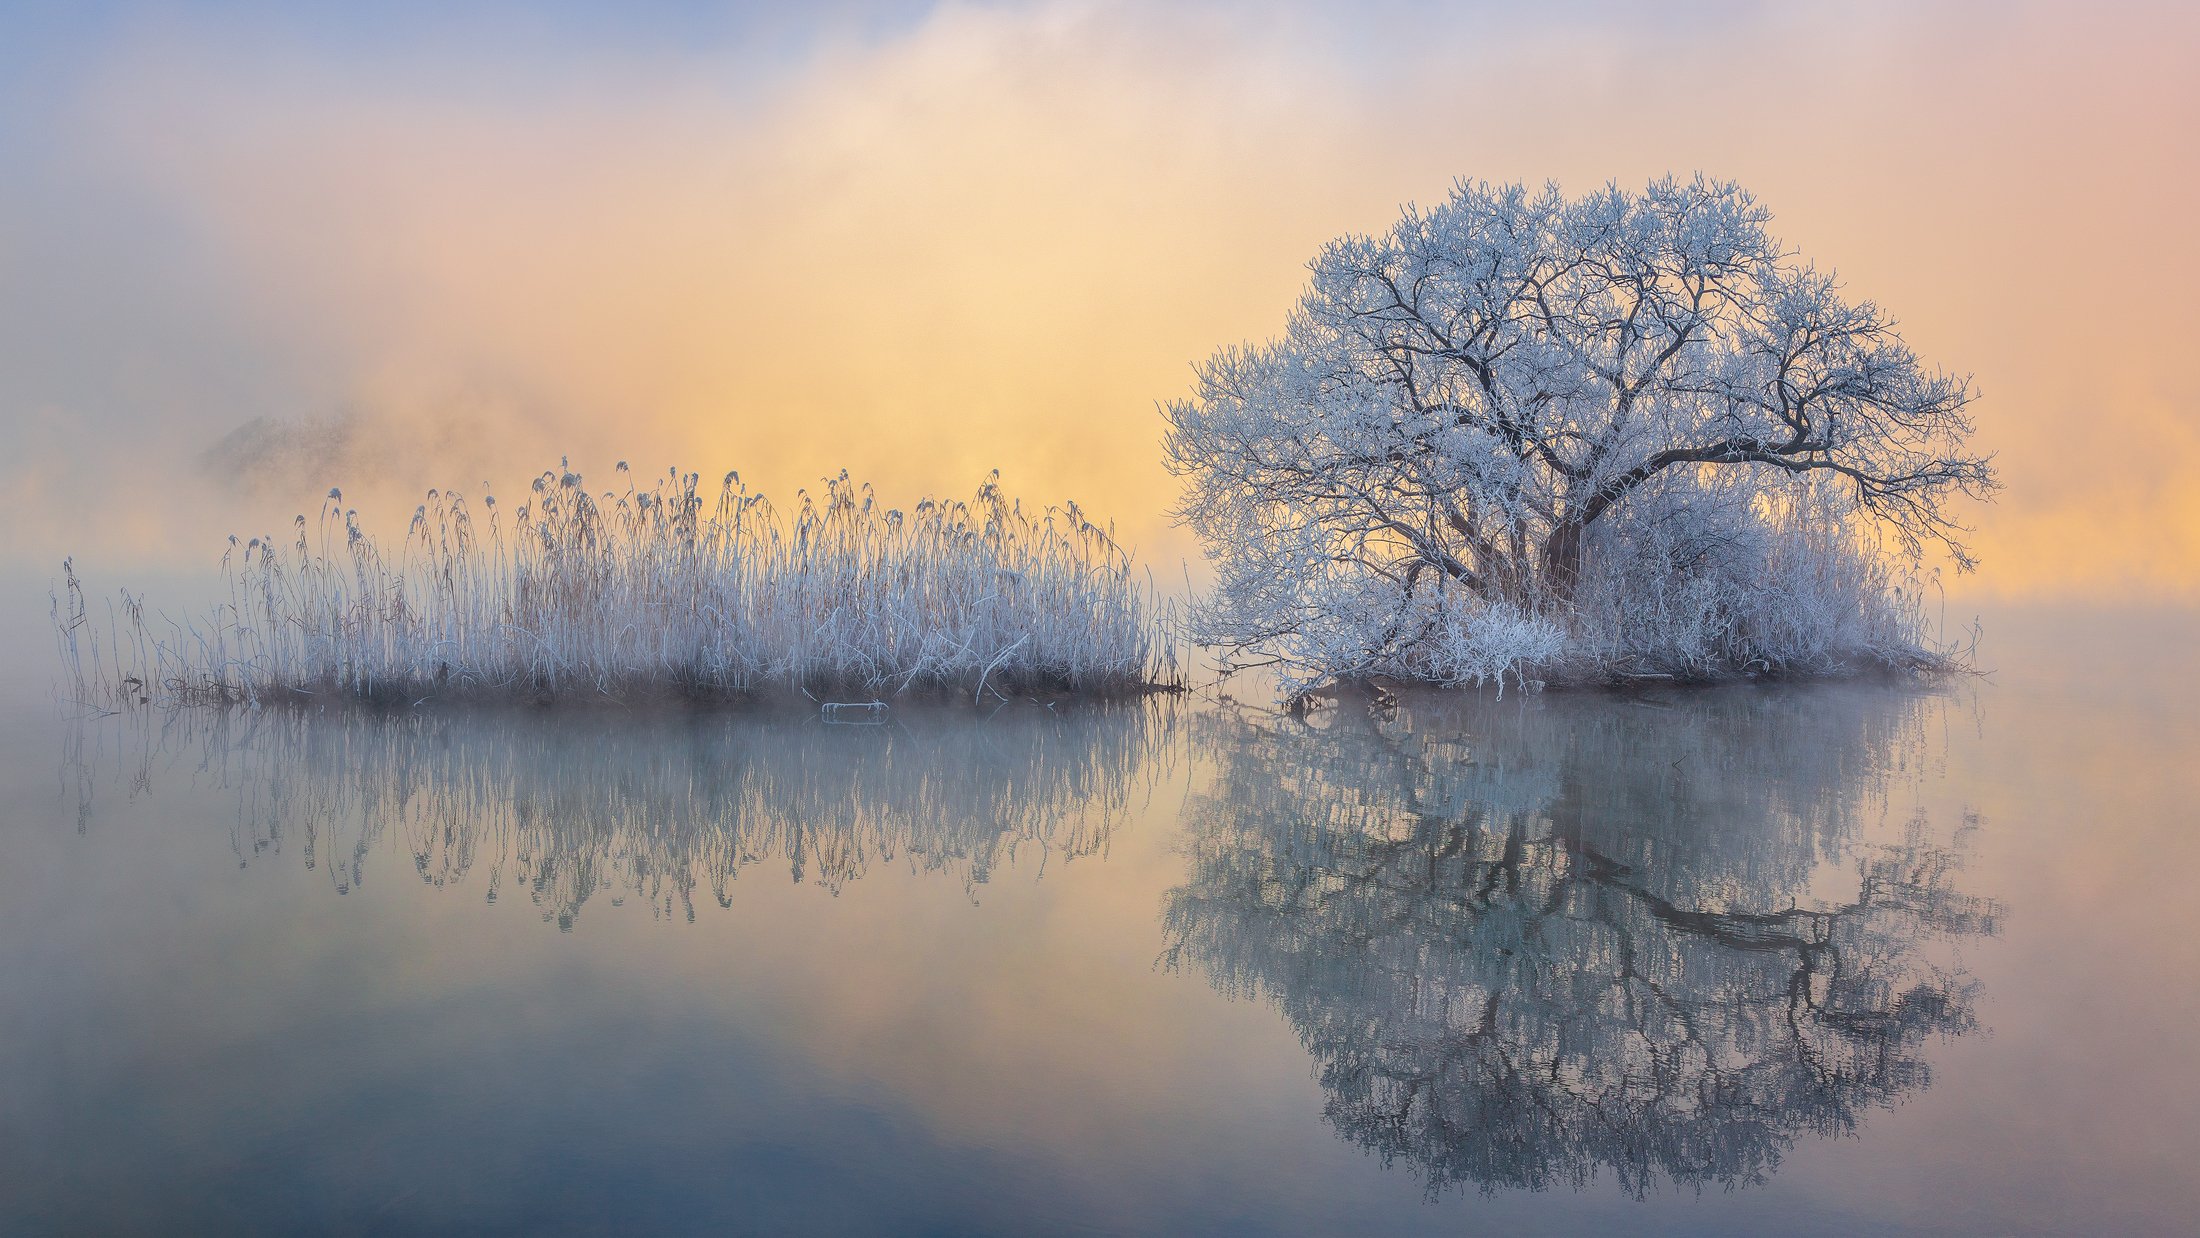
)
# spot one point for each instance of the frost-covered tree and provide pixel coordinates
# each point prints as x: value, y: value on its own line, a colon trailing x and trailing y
x: 1471, y: 417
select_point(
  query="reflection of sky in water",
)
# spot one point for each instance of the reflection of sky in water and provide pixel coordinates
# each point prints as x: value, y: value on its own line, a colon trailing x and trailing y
x: 1130, y: 969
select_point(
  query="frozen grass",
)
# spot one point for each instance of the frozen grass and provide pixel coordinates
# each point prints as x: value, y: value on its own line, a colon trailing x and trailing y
x: 665, y: 591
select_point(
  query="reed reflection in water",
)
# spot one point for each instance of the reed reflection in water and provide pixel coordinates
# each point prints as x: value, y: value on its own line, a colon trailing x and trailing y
x: 665, y: 810
x: 1526, y: 942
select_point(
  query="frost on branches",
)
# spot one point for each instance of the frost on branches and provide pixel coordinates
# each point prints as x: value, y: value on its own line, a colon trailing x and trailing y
x: 1616, y: 434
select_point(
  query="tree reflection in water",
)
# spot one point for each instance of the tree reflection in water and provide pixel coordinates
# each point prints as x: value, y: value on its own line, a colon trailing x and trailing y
x: 1528, y: 941
x: 569, y: 807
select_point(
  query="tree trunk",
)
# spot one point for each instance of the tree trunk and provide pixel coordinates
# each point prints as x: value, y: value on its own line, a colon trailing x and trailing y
x: 1562, y: 562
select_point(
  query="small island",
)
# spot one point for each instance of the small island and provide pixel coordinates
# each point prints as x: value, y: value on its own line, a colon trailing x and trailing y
x: 659, y: 592
x: 1558, y: 440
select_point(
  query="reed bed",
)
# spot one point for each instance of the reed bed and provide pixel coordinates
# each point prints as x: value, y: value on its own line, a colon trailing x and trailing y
x: 657, y: 591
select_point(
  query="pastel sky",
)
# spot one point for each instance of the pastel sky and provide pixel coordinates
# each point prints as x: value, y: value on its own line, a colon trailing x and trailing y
x: 247, y: 251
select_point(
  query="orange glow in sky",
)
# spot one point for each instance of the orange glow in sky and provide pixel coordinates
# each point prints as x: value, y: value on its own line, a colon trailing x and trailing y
x: 982, y: 237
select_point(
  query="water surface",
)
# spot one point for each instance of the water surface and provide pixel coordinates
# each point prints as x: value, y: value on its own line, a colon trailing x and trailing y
x: 1814, y: 959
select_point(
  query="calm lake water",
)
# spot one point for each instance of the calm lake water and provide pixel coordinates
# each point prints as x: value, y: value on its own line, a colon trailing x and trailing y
x: 1808, y: 959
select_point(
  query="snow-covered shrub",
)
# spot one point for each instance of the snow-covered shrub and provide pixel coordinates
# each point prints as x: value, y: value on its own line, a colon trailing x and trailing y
x: 1333, y: 627
x: 1461, y: 640
x: 1707, y: 573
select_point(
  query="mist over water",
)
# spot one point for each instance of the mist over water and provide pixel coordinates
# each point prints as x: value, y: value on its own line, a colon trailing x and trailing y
x: 1814, y: 958
x: 1794, y: 958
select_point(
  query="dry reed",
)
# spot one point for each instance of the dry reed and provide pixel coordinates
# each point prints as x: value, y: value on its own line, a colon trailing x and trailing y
x: 657, y: 591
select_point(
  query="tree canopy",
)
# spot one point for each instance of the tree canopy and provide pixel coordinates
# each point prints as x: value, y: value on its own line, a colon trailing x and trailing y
x: 1466, y: 402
